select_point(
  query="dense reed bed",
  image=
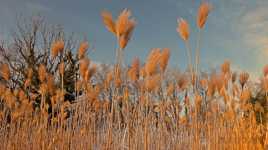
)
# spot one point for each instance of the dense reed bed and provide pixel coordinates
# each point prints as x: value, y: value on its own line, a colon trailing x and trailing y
x: 68, y: 102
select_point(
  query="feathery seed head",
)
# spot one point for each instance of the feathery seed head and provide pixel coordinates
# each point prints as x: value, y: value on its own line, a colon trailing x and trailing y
x: 82, y: 49
x: 152, y: 61
x: 164, y: 58
x: 202, y: 15
x: 183, y: 29
x: 5, y: 71
x: 122, y: 22
x: 57, y: 47
x: 124, y: 39
x: 108, y: 21
x: 83, y: 66
x: 152, y: 83
x: 143, y: 72
x: 89, y: 73
x: 225, y: 67
x: 133, y: 72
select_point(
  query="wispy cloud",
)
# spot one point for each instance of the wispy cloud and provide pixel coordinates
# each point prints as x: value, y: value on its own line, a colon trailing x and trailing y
x: 254, y: 27
x: 239, y: 30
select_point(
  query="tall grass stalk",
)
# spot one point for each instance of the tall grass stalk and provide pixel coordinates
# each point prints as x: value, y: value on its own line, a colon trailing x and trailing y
x: 197, y: 56
x: 189, y: 55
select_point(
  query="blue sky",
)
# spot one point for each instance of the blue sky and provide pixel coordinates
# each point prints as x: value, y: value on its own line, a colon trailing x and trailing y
x: 236, y: 30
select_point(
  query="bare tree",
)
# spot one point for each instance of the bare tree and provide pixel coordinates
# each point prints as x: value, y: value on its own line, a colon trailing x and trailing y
x: 31, y: 46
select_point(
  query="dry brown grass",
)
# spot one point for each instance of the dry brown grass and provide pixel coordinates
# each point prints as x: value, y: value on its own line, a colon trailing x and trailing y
x: 150, y: 116
x: 146, y: 106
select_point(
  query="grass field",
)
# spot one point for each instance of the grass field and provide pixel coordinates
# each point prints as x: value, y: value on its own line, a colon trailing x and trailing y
x: 57, y: 98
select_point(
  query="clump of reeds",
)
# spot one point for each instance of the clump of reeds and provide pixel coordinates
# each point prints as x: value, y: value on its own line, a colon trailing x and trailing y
x: 183, y: 30
x: 202, y: 15
x: 150, y: 108
x: 122, y: 28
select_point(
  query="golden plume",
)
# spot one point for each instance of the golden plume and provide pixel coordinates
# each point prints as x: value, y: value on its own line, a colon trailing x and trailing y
x: 163, y: 61
x: 57, y: 47
x: 183, y: 29
x: 123, y: 40
x: 133, y: 72
x: 122, y: 22
x: 108, y: 21
x: 82, y: 49
x: 225, y: 67
x: 152, y: 83
x: 83, y: 66
x: 108, y: 79
x: 152, y: 61
x: 202, y: 14
x: 90, y: 72
x: 5, y: 71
